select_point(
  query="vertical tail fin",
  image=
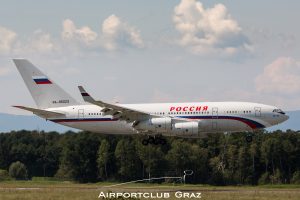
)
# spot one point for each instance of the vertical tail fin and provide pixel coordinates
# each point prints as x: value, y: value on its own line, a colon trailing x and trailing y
x: 43, y: 90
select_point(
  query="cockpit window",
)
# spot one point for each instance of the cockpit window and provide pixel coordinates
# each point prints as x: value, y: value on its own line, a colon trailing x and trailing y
x: 279, y: 111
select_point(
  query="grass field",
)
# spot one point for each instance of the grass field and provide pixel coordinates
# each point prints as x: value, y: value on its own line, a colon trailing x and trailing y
x: 59, y: 190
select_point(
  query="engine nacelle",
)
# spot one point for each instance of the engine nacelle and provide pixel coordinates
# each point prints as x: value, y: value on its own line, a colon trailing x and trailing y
x: 156, y: 124
x: 186, y: 128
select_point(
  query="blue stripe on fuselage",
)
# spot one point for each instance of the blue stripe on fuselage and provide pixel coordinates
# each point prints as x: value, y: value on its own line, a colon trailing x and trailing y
x: 253, y: 124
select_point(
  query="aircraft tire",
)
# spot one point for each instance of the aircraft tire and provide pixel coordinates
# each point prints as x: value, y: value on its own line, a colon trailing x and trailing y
x: 151, y: 140
x: 145, y: 142
x: 157, y: 141
x: 163, y: 141
x: 249, y: 138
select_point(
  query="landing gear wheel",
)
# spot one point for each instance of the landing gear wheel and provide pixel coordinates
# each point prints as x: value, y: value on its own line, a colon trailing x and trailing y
x: 249, y: 138
x: 157, y: 141
x: 151, y: 140
x: 163, y: 141
x: 145, y: 142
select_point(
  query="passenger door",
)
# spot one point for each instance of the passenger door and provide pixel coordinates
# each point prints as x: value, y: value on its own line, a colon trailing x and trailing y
x: 215, y: 115
x: 80, y: 113
x: 257, y: 111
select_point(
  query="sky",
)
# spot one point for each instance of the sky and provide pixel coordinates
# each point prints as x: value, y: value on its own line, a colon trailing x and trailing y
x: 138, y: 51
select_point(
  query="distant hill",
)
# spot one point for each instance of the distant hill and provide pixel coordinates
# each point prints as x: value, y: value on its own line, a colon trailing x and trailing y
x: 9, y: 122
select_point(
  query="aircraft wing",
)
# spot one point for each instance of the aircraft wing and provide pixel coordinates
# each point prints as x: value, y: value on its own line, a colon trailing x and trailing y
x: 120, y: 112
x: 42, y: 113
x: 117, y: 111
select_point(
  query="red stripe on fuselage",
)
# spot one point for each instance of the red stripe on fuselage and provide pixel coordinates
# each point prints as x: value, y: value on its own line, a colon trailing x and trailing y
x: 251, y: 123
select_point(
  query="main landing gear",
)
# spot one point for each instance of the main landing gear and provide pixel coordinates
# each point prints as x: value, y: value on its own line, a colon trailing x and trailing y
x: 249, y: 137
x: 154, y: 140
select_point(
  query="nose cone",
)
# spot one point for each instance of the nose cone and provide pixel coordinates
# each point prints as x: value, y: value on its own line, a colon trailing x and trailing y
x: 285, y: 117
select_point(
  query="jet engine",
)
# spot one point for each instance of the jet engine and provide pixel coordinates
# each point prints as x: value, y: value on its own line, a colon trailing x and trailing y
x: 159, y: 125
x: 186, y: 128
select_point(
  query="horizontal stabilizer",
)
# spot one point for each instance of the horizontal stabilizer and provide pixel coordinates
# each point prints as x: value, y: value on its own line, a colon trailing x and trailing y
x: 42, y: 113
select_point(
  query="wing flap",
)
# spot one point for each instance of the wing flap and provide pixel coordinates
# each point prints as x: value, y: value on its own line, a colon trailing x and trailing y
x: 123, y: 113
x: 118, y: 111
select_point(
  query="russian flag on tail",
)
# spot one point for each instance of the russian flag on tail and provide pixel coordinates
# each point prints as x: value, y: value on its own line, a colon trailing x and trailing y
x: 41, y: 80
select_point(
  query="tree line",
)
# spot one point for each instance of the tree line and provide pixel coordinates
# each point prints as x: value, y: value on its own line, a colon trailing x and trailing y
x: 272, y: 158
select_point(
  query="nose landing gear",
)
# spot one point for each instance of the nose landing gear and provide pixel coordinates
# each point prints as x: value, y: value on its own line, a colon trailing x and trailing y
x: 156, y: 140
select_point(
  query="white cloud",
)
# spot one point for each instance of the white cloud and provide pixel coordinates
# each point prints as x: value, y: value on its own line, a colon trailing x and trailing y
x: 117, y: 33
x: 84, y: 35
x: 208, y: 31
x: 7, y: 38
x: 39, y: 41
x: 42, y: 42
x: 114, y: 35
x: 282, y: 76
x: 4, y: 71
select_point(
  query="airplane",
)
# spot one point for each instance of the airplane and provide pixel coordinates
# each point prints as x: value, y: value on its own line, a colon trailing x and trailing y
x: 153, y: 120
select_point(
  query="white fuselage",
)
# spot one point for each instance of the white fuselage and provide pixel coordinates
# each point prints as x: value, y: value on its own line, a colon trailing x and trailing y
x: 211, y: 117
x: 195, y: 119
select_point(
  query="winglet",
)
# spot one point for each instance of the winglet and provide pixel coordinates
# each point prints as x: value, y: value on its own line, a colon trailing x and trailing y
x: 86, y: 97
